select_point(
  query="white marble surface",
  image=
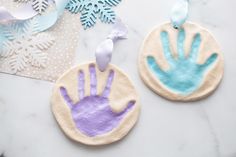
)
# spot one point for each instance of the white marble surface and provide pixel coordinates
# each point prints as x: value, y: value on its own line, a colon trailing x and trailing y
x: 167, y: 129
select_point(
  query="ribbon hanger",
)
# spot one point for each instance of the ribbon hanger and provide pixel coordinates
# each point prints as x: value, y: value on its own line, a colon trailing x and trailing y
x: 104, y: 50
x: 179, y: 13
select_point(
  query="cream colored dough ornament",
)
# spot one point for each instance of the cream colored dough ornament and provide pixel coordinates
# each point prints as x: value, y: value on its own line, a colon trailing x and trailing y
x: 184, y: 64
x: 94, y: 107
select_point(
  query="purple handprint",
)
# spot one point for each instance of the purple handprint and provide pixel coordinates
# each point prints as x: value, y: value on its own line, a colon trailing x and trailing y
x: 92, y: 114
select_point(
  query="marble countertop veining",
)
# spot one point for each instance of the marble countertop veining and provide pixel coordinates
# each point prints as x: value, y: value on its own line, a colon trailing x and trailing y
x: 205, y: 128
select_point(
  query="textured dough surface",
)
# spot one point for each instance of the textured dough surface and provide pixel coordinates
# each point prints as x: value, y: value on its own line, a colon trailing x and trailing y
x: 152, y: 46
x: 122, y: 91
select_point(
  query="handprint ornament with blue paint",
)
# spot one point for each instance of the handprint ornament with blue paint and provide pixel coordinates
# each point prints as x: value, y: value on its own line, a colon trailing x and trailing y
x: 106, y: 109
x: 181, y: 64
x: 184, y: 75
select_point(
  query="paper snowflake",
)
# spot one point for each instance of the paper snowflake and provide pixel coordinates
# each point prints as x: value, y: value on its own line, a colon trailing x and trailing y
x: 38, y: 5
x: 92, y: 9
x: 25, y: 46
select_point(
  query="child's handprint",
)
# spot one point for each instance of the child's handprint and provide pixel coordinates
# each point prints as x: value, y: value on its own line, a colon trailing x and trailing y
x: 184, y: 75
x: 92, y: 114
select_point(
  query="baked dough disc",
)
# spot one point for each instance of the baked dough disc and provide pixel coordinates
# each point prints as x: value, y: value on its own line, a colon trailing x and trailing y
x: 90, y: 124
x: 158, y: 78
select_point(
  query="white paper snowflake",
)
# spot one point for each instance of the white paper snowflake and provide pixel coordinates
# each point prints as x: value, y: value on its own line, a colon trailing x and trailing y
x: 25, y: 46
x: 38, y: 5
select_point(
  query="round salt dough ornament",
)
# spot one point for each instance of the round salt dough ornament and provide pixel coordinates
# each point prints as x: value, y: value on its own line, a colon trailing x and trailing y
x: 184, y: 64
x: 94, y: 107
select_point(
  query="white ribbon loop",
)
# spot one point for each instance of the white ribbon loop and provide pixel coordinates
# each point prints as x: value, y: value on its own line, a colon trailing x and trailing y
x: 179, y: 13
x: 104, y: 50
x: 24, y: 13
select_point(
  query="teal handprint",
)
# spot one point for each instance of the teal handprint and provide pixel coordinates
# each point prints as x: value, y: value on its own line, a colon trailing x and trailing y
x: 184, y: 75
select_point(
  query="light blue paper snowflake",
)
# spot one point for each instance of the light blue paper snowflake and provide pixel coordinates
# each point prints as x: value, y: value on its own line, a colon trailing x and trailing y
x: 92, y: 9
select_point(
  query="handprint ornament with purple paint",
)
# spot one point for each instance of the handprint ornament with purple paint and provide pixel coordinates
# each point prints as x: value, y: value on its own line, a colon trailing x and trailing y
x: 94, y: 114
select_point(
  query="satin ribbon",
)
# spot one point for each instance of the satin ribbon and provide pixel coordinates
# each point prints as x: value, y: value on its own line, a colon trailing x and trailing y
x: 26, y: 12
x: 23, y: 13
x: 48, y: 20
x: 179, y: 13
x: 104, y: 50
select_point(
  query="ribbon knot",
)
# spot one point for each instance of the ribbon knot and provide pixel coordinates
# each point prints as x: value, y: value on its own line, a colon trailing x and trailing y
x: 179, y: 13
x: 104, y: 50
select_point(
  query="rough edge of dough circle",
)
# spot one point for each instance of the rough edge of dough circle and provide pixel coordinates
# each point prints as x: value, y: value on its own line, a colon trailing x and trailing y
x: 178, y: 98
x: 107, y: 138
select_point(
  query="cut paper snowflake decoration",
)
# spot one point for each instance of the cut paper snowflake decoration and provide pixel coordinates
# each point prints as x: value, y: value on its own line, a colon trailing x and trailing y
x: 38, y: 5
x: 92, y: 9
x: 25, y: 46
